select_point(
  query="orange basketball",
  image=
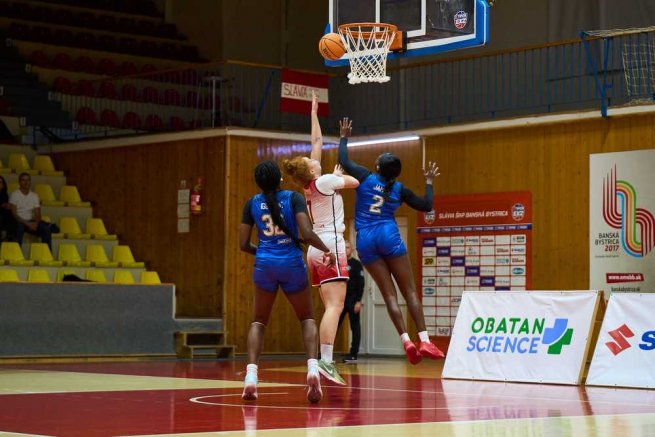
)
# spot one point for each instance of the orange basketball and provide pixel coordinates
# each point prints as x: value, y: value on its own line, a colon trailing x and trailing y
x: 331, y: 47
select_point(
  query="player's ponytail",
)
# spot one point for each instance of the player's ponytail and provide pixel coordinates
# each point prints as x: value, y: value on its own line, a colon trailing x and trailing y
x: 298, y: 169
x: 268, y: 178
x: 389, y: 167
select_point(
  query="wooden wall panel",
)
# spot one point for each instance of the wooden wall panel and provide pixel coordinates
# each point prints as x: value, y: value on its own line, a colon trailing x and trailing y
x: 135, y: 193
x: 134, y: 190
x: 283, y: 333
x: 551, y: 161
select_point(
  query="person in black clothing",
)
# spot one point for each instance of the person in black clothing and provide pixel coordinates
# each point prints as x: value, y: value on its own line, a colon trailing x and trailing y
x: 353, y: 303
x: 7, y: 222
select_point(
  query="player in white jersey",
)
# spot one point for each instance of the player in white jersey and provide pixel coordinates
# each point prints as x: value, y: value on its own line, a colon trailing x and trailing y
x: 325, y: 207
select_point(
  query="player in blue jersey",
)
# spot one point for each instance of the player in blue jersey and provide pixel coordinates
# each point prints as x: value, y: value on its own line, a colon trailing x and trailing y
x: 278, y: 215
x: 380, y: 247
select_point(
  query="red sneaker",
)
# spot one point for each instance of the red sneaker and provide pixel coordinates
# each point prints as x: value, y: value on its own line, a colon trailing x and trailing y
x: 412, y: 353
x: 429, y: 350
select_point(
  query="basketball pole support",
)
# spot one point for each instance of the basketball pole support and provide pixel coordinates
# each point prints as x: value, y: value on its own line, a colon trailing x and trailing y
x: 601, y: 88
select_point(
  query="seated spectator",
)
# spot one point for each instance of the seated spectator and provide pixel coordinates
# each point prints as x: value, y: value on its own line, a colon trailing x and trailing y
x: 7, y: 222
x: 26, y: 209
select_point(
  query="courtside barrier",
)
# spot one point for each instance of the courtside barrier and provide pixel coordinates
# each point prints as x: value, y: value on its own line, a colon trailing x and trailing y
x: 522, y: 336
x: 625, y: 352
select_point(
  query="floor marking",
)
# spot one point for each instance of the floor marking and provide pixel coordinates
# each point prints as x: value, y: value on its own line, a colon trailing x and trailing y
x: 40, y: 382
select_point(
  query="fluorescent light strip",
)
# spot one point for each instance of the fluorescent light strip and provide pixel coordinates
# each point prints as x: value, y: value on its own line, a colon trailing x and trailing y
x: 384, y: 141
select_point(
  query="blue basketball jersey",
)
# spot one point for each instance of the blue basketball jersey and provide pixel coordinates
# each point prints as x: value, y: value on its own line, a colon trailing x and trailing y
x: 371, y: 207
x: 274, y: 244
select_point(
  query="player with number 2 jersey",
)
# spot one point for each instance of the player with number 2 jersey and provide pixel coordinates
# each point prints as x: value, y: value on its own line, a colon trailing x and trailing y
x: 380, y: 247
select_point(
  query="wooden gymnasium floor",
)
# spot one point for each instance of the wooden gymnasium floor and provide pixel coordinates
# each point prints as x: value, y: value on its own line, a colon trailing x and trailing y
x: 385, y: 397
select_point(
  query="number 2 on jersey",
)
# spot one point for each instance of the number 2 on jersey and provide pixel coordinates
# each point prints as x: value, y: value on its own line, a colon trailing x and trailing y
x: 376, y: 207
x: 271, y: 228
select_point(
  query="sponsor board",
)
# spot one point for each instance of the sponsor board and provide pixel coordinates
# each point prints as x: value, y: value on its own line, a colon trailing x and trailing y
x: 507, y: 336
x: 625, y: 351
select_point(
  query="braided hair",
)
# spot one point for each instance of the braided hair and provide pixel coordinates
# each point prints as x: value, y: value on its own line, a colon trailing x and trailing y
x: 389, y: 167
x: 268, y: 178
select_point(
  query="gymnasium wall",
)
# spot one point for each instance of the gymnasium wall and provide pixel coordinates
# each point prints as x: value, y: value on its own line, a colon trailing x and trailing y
x: 135, y: 192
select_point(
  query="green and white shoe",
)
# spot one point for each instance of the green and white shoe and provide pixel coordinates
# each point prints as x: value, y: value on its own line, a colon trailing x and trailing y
x: 329, y: 370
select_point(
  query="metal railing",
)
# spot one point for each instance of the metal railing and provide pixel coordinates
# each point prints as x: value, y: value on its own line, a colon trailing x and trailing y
x: 533, y: 80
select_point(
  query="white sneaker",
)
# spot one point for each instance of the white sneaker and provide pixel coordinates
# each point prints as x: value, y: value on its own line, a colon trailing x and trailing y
x: 314, y: 392
x: 250, y: 387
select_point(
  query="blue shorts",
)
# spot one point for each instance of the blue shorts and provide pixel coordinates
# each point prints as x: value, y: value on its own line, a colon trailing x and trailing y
x: 380, y: 241
x: 292, y: 276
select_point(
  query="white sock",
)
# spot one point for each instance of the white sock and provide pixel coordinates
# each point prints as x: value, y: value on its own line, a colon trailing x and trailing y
x: 326, y: 352
x: 312, y: 365
x: 423, y: 336
x: 251, y: 368
x: 404, y: 337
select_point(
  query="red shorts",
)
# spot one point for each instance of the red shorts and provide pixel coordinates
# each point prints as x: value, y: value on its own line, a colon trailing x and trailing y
x: 336, y: 272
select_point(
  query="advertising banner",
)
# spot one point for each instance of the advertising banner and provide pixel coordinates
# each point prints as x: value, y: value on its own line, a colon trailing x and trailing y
x: 622, y: 222
x: 296, y: 92
x: 473, y: 242
x: 625, y: 352
x: 538, y: 336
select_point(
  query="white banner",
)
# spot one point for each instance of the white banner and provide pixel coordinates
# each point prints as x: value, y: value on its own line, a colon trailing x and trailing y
x: 538, y: 336
x: 622, y: 222
x: 625, y: 352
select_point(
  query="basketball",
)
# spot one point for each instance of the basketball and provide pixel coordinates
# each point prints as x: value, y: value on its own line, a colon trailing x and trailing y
x: 331, y: 47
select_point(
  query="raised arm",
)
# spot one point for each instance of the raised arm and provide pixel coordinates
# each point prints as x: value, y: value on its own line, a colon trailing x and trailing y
x: 357, y: 171
x: 425, y: 203
x: 348, y: 181
x: 317, y: 137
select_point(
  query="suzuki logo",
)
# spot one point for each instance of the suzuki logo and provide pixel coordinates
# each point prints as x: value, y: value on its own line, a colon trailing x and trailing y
x: 619, y: 336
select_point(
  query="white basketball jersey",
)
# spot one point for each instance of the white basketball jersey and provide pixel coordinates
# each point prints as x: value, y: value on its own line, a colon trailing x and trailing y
x: 325, y: 204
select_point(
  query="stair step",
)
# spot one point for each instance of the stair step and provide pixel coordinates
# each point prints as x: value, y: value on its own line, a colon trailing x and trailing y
x: 187, y: 343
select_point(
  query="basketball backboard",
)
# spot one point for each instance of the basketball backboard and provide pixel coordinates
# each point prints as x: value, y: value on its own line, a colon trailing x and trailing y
x: 431, y: 26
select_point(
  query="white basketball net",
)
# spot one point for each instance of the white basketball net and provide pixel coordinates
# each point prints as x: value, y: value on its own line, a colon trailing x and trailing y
x: 367, y: 45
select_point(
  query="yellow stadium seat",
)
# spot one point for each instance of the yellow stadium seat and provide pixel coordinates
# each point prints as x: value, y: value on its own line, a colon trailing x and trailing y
x: 150, y: 278
x: 41, y: 255
x: 44, y: 165
x: 47, y: 196
x: 71, y: 229
x: 9, y: 275
x: 96, y: 227
x: 38, y: 275
x: 123, y: 255
x: 96, y: 275
x: 123, y: 277
x: 12, y: 254
x: 95, y: 254
x: 71, y: 196
x: 46, y: 218
x: 70, y: 256
x: 19, y: 164
x: 63, y: 272
x: 11, y: 187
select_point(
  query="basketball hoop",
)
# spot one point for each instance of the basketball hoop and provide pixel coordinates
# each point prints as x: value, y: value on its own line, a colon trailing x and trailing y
x: 367, y: 45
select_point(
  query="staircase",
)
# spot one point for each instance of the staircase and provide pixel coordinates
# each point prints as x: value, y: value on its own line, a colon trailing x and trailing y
x: 202, y: 344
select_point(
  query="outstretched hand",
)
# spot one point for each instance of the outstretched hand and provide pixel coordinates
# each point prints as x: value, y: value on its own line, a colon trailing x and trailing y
x: 338, y: 170
x: 431, y: 172
x: 345, y: 127
x: 314, y: 102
